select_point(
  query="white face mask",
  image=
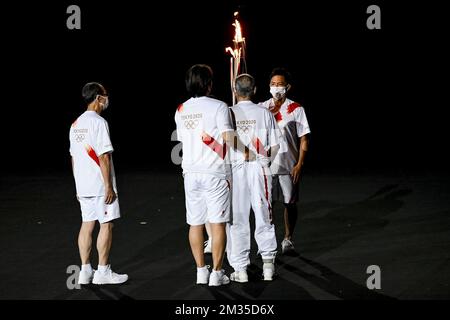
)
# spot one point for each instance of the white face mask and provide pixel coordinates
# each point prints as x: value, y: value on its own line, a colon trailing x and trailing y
x: 106, y: 104
x: 278, y: 92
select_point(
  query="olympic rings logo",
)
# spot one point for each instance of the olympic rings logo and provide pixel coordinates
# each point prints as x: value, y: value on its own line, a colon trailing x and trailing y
x: 191, y: 124
x: 79, y: 137
x: 243, y: 129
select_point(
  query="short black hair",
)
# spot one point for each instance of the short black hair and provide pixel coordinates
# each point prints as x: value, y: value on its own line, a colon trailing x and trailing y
x: 198, y: 79
x: 281, y: 72
x: 91, y: 90
x: 245, y: 85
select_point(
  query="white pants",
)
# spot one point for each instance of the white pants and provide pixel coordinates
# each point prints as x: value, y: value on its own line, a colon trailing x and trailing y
x: 250, y: 189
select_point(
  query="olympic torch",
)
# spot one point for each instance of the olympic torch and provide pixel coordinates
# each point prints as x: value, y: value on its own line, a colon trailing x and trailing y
x: 238, y: 63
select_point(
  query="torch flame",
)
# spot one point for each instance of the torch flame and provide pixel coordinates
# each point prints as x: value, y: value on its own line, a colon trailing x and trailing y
x: 237, y: 53
x: 238, y: 32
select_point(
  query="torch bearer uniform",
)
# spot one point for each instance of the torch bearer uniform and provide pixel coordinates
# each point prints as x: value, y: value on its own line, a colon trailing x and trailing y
x: 89, y: 139
x: 257, y: 129
x: 200, y: 124
x: 292, y: 121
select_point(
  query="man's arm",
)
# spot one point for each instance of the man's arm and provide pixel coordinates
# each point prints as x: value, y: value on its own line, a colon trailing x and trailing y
x: 105, y: 168
x: 303, y: 148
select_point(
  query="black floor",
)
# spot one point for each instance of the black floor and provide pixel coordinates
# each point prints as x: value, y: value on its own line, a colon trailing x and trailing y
x: 400, y: 222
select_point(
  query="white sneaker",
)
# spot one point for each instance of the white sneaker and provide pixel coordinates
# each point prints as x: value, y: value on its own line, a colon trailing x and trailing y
x: 203, y: 275
x: 218, y: 278
x: 287, y: 246
x: 207, y: 248
x: 268, y: 271
x: 85, y: 277
x: 109, y: 277
x: 239, y: 276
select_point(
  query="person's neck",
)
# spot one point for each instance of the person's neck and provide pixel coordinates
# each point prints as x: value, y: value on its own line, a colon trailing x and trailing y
x: 241, y: 99
x: 279, y: 103
x: 93, y: 108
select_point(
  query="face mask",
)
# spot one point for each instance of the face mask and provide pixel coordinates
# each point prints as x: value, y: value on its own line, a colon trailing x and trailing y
x: 106, y: 104
x: 278, y: 92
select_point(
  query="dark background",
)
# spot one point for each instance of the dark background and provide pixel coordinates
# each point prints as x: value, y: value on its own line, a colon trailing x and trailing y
x: 374, y: 98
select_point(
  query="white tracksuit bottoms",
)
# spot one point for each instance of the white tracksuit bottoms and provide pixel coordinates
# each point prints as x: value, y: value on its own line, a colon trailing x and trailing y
x: 251, y: 188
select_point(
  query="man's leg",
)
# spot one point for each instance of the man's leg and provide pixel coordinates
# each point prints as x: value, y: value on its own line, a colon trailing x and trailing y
x: 196, y: 241
x: 218, y: 244
x: 239, y: 230
x: 104, y: 241
x: 207, y: 243
x: 290, y: 195
x: 104, y: 274
x: 85, y: 241
x: 265, y: 237
x: 217, y: 198
x: 290, y: 219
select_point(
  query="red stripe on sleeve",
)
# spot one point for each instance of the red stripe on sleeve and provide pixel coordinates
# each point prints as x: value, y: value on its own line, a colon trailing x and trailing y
x: 221, y: 150
x: 92, y: 154
x: 292, y: 107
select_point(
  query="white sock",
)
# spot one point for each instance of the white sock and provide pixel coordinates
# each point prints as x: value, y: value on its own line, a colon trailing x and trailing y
x: 202, y: 268
x: 217, y: 271
x: 86, y: 267
x: 103, y: 269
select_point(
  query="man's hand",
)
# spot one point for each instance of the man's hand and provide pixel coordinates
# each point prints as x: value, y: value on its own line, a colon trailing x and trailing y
x: 110, y: 196
x: 296, y: 173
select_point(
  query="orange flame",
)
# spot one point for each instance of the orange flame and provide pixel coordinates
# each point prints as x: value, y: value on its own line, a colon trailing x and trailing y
x: 237, y: 52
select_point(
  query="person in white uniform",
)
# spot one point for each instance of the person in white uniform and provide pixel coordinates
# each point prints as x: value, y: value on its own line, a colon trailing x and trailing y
x: 95, y: 181
x: 204, y: 127
x: 251, y: 188
x: 287, y: 166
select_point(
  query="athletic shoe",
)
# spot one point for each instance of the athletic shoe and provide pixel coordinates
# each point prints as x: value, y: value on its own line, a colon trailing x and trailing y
x: 85, y: 277
x: 268, y: 271
x: 207, y: 246
x: 218, y: 278
x: 203, y: 275
x: 109, y: 277
x: 239, y: 276
x: 287, y: 246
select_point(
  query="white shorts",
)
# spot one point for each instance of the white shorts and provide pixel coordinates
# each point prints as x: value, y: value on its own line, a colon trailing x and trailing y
x: 95, y: 208
x: 284, y: 189
x: 207, y: 199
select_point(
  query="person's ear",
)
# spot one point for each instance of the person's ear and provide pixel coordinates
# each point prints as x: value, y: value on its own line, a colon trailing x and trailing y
x: 288, y: 87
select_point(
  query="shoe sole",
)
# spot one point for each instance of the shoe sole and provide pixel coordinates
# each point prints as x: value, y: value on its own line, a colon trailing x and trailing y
x: 237, y: 280
x: 82, y: 282
x: 219, y: 284
x: 104, y: 282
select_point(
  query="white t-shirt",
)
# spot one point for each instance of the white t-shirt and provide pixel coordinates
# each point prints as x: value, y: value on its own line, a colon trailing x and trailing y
x: 291, y: 119
x: 89, y: 138
x: 257, y: 129
x: 200, y: 124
